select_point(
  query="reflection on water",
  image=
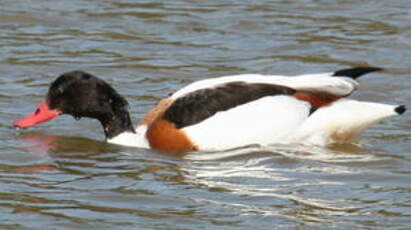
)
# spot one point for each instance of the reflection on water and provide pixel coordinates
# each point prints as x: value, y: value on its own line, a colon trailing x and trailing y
x: 63, y: 175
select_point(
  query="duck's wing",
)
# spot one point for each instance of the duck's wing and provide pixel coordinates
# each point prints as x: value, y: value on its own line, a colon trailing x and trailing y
x: 201, y: 104
x: 201, y: 100
x: 341, y: 83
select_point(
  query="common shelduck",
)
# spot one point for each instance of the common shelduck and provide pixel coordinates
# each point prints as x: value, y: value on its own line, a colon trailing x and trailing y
x: 223, y: 113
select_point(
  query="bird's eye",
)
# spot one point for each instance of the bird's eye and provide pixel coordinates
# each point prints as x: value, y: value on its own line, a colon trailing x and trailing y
x: 37, y: 111
x: 60, y: 89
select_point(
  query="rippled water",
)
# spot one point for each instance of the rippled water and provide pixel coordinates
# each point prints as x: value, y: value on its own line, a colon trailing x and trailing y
x: 61, y: 175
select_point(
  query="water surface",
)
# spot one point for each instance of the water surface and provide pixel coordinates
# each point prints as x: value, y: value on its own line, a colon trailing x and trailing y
x: 61, y: 174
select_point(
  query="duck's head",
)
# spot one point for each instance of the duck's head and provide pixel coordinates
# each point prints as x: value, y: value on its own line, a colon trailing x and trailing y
x: 81, y: 94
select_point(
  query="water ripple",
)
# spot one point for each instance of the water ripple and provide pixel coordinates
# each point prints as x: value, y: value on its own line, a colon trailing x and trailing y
x: 63, y: 175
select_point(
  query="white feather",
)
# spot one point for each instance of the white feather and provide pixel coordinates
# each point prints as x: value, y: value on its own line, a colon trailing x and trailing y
x: 341, y: 122
x: 265, y: 121
x: 283, y: 119
x: 341, y: 86
x: 275, y: 120
x: 137, y: 139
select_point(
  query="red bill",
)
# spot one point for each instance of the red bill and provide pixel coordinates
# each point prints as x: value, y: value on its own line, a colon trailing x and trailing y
x: 41, y: 114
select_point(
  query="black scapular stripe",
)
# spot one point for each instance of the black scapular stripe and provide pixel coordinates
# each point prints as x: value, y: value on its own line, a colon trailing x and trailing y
x: 354, y: 73
x: 204, y: 103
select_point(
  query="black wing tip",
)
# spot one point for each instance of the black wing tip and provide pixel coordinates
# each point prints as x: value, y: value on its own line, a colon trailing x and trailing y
x: 400, y: 109
x: 356, y: 72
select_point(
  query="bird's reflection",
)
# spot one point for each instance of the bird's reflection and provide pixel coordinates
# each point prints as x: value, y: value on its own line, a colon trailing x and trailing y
x: 47, y: 145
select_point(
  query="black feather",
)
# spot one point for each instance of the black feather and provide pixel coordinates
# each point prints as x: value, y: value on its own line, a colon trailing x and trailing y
x: 354, y: 73
x: 81, y: 94
x: 204, y: 103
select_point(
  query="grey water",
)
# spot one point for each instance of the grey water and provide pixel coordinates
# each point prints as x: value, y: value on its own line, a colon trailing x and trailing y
x: 62, y: 175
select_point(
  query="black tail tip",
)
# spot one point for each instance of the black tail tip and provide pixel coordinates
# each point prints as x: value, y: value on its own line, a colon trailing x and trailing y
x: 400, y: 109
x: 356, y: 72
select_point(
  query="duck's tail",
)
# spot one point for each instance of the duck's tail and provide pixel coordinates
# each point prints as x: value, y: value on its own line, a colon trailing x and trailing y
x: 344, y: 120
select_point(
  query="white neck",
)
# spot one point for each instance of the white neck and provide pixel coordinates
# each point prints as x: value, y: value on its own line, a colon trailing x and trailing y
x: 137, y: 139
